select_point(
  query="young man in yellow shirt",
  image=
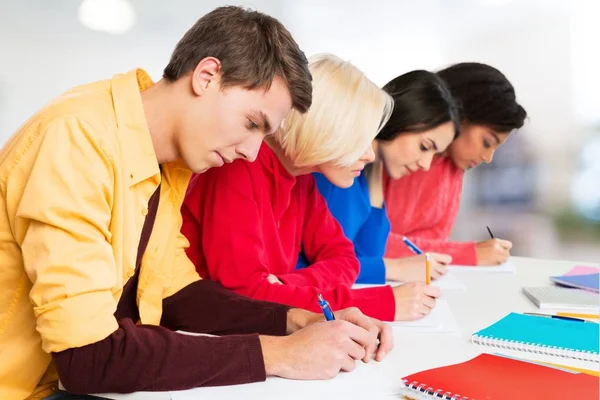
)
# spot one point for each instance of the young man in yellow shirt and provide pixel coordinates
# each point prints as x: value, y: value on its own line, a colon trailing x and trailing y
x: 88, y: 295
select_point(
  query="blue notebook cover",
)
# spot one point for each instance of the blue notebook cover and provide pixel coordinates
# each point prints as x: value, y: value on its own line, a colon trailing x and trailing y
x: 589, y: 282
x: 542, y: 331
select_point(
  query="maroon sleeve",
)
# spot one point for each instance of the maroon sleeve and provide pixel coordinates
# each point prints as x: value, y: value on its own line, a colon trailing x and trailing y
x: 152, y: 358
x: 207, y: 307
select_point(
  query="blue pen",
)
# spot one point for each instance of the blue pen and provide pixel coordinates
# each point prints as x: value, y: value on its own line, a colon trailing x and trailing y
x: 411, y: 245
x: 326, y: 308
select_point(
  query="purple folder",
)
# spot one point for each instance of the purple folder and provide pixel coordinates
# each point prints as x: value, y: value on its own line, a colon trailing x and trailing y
x: 587, y: 282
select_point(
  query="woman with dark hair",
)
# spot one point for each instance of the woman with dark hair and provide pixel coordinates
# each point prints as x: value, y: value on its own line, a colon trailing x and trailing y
x: 423, y: 123
x: 424, y: 206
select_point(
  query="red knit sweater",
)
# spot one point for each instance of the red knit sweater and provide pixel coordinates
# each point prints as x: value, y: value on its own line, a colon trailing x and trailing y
x: 423, y: 207
x: 246, y: 221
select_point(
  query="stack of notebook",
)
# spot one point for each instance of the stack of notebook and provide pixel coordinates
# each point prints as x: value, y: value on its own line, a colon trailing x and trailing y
x: 588, y: 280
x: 536, y: 334
x: 554, y: 298
x: 493, y: 377
x: 575, y: 291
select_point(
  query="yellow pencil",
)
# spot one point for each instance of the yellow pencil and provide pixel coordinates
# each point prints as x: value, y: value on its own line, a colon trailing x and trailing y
x: 584, y: 371
x: 427, y: 269
x: 577, y: 315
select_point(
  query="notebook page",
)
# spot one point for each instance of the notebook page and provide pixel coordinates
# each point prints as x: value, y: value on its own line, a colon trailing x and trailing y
x: 441, y: 319
x: 507, y: 267
x: 447, y: 281
x: 368, y: 381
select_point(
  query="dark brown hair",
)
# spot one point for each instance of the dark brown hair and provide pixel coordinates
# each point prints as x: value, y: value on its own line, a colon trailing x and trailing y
x: 485, y: 96
x: 422, y: 102
x: 253, y: 47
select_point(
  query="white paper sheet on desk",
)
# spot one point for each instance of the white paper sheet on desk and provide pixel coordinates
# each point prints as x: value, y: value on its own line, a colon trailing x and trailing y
x: 440, y: 320
x: 368, y: 381
x: 375, y: 380
x: 448, y: 282
x: 445, y: 282
x: 507, y: 267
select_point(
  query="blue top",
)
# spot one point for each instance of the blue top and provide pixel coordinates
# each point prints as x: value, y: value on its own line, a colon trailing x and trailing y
x: 366, y: 226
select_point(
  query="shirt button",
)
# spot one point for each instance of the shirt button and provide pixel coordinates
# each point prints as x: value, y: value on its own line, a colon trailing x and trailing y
x: 144, y: 211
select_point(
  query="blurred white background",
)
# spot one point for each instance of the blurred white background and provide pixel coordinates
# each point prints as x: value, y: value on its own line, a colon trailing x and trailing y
x: 549, y: 49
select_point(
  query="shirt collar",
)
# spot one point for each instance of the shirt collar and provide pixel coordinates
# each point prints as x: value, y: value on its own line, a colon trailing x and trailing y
x: 140, y: 158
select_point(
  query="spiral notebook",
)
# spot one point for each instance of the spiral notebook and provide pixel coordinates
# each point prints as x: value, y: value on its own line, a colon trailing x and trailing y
x: 535, y: 334
x: 491, y: 377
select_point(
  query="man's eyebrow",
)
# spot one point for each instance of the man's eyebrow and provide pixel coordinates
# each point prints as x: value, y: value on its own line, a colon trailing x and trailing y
x: 264, y: 121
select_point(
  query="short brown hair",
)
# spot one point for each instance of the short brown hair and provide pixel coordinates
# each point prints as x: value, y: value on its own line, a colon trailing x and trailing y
x: 253, y: 47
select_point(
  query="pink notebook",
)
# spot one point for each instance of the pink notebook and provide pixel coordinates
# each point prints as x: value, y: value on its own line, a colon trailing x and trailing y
x: 582, y: 270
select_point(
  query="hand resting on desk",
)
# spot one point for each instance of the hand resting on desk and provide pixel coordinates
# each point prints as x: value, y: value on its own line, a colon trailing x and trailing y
x: 320, y: 350
x: 414, y: 300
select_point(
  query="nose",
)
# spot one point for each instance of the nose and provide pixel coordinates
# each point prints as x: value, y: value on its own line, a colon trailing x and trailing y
x: 369, y: 155
x: 488, y: 156
x: 249, y: 148
x: 425, y: 162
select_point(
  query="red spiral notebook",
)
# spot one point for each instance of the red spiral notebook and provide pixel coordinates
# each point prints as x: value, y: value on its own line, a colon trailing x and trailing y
x: 490, y: 377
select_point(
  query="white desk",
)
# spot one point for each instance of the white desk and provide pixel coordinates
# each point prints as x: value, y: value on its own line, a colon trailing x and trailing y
x: 489, y: 297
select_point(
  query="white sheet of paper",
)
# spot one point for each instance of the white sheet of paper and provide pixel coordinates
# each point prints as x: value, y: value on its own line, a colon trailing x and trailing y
x: 446, y: 282
x: 440, y: 320
x: 449, y: 282
x: 507, y: 267
x: 357, y: 384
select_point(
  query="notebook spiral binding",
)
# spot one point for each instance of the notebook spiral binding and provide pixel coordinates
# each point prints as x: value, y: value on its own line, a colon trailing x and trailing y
x: 535, y: 348
x: 419, y: 391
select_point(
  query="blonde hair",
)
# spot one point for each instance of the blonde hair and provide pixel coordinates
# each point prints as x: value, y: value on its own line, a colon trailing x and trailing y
x: 347, y: 112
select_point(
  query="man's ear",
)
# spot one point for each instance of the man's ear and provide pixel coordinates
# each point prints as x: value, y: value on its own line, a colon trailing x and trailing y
x: 207, y: 72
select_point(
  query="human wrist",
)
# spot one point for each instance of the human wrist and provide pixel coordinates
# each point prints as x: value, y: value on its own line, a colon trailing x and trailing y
x: 390, y: 269
x: 269, y: 346
x: 298, y: 319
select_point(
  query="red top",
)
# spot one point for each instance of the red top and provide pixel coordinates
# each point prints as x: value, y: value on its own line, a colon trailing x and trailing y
x: 423, y: 207
x: 246, y: 220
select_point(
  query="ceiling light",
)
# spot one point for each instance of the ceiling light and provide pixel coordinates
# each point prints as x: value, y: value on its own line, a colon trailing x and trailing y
x: 111, y: 16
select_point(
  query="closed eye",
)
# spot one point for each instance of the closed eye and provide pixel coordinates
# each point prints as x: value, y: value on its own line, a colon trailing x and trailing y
x: 429, y: 145
x: 252, y: 125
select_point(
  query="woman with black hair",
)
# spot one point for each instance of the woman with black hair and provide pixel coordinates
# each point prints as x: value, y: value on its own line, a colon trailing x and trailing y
x: 424, y: 206
x: 423, y: 123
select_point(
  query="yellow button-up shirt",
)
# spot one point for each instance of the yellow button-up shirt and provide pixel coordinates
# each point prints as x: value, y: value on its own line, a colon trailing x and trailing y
x: 75, y: 181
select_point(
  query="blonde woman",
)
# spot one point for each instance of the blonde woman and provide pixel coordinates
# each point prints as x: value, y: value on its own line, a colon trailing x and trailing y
x: 248, y: 222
